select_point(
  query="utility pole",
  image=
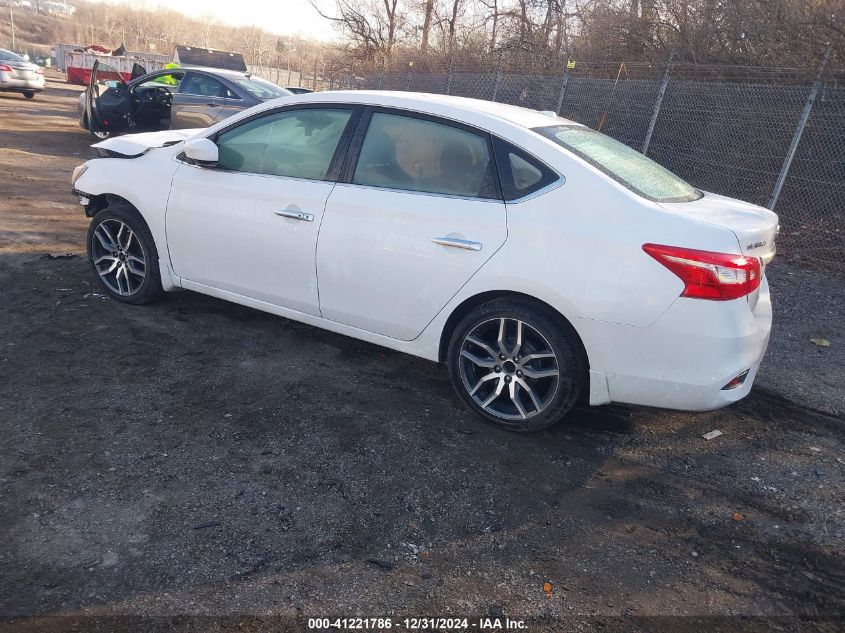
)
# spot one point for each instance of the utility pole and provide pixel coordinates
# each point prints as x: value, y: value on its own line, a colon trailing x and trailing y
x: 12, y: 19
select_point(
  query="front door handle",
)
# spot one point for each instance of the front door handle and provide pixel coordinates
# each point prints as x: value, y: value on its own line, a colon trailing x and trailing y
x: 456, y: 243
x: 295, y: 215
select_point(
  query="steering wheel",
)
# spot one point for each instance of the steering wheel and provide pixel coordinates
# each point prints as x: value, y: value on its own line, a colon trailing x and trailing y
x: 162, y: 96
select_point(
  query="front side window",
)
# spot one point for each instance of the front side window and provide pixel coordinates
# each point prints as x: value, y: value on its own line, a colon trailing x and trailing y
x: 202, y: 86
x: 402, y: 152
x: 625, y: 165
x: 170, y: 81
x: 294, y: 143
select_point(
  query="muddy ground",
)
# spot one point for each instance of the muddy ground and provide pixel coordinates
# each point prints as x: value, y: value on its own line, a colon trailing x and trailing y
x: 201, y: 466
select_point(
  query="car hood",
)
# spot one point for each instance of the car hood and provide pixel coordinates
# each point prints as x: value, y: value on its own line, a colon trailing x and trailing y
x: 755, y: 227
x: 131, y: 145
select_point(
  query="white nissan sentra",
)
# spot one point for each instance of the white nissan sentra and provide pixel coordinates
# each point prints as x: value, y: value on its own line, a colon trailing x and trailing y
x: 543, y: 262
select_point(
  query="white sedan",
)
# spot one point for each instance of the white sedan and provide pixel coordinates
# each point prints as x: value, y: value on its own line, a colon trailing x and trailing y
x: 543, y: 262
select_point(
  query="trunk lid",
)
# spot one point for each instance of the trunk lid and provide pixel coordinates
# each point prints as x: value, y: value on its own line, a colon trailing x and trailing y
x: 134, y: 145
x: 755, y: 227
x: 22, y: 70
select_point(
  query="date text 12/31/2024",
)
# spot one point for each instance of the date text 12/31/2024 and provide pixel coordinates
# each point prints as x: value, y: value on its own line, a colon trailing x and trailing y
x: 415, y: 624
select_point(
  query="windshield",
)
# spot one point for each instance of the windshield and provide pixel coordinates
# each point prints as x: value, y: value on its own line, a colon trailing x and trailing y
x: 262, y: 89
x: 625, y: 165
x: 9, y: 56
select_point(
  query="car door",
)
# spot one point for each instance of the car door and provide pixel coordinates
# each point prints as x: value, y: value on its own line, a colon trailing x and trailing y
x: 417, y: 213
x: 234, y: 103
x: 198, y: 103
x: 108, y: 102
x: 249, y: 225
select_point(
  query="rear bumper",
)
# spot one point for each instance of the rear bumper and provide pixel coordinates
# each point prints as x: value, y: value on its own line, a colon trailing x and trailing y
x: 684, y: 359
x: 11, y: 84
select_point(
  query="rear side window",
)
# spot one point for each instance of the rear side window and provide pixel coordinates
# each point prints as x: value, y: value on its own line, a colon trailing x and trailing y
x: 625, y: 165
x: 414, y: 154
x: 202, y: 86
x: 294, y: 143
x: 521, y: 173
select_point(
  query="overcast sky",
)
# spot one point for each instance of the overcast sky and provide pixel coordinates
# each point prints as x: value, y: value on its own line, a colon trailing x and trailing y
x: 285, y: 17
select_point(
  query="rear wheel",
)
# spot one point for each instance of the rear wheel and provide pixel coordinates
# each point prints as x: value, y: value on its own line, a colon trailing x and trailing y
x: 516, y: 364
x: 29, y: 95
x: 123, y: 255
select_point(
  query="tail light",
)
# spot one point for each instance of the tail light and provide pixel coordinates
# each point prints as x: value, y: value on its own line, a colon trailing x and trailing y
x: 707, y: 275
x: 5, y: 68
x: 39, y: 71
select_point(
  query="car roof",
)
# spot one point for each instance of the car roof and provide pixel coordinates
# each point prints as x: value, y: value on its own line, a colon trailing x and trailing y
x: 214, y: 71
x: 423, y: 102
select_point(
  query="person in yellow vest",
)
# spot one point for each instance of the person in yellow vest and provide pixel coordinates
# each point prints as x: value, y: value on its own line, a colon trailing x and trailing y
x: 170, y: 80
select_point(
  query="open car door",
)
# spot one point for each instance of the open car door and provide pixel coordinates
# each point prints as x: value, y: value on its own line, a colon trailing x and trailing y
x: 108, y: 102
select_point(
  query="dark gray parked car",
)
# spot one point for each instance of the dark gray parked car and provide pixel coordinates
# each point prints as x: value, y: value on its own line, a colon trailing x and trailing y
x: 173, y: 98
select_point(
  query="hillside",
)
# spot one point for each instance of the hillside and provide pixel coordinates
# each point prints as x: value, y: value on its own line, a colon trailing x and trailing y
x: 147, y: 30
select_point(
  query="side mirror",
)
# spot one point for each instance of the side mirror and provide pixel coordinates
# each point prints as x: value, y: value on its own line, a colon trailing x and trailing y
x: 201, y: 151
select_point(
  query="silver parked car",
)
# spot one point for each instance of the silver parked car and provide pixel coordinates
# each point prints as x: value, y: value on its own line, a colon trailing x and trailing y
x: 169, y: 99
x: 19, y: 75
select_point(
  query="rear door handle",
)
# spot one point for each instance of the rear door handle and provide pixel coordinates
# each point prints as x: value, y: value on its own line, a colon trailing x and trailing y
x: 295, y: 215
x: 456, y: 243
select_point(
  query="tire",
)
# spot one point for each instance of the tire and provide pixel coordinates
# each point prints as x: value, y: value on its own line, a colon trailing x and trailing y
x: 548, y: 343
x: 100, y: 136
x: 29, y: 95
x: 114, y: 255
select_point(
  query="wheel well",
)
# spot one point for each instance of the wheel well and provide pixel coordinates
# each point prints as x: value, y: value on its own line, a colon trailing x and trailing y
x: 473, y: 302
x: 99, y: 202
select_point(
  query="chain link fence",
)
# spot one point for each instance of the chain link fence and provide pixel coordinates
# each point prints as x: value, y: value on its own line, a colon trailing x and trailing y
x: 771, y: 136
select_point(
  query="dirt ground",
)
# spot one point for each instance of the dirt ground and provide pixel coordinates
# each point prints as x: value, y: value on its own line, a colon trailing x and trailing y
x: 199, y: 466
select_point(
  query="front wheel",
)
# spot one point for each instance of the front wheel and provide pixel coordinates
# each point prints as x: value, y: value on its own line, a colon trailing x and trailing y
x: 29, y: 95
x: 123, y: 255
x: 516, y: 364
x: 102, y: 135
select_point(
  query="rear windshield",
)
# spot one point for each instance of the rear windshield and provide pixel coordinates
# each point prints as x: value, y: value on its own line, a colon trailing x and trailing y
x: 9, y: 56
x: 625, y: 165
x: 262, y: 89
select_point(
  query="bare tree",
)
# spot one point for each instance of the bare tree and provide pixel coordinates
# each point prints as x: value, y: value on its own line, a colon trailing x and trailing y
x: 428, y: 15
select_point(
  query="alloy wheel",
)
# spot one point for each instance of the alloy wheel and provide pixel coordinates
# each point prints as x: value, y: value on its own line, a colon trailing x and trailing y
x: 118, y: 257
x: 509, y: 369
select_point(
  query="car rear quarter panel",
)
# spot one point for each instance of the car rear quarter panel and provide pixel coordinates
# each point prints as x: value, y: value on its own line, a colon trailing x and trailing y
x: 579, y: 248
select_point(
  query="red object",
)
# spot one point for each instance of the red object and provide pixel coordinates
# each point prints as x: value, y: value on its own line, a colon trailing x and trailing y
x: 82, y: 76
x: 39, y: 71
x: 5, y: 68
x: 708, y: 275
